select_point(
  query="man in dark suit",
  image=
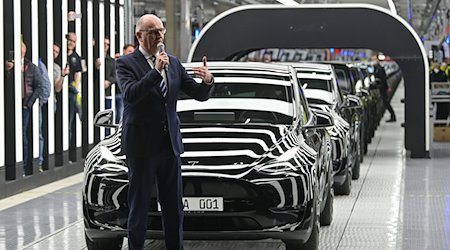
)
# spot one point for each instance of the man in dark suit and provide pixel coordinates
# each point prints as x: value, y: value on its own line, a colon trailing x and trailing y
x: 151, y: 138
x: 381, y: 79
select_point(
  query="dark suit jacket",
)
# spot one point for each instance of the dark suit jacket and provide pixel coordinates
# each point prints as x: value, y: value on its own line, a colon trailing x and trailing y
x: 145, y: 108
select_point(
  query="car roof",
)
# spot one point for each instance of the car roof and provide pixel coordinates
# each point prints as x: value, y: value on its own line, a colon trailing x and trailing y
x: 244, y: 67
x: 312, y: 68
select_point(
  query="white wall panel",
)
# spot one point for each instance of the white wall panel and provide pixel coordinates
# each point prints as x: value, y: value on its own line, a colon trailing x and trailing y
x: 90, y: 65
x: 51, y: 99
x: 65, y: 88
x: 101, y: 16
x: 17, y: 79
x: 35, y: 58
x: 83, y: 63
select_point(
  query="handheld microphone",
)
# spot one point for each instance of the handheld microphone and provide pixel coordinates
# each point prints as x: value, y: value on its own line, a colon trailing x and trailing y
x: 161, y: 48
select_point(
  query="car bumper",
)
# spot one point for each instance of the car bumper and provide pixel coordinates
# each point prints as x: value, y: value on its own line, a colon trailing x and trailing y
x: 300, y: 229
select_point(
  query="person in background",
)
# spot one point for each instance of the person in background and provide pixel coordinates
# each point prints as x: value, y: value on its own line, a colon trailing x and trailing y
x: 267, y: 57
x: 127, y: 49
x: 31, y: 86
x: 43, y: 99
x: 58, y: 74
x: 437, y: 74
x: 151, y: 138
x: 110, y: 75
x: 381, y: 79
x: 74, y: 63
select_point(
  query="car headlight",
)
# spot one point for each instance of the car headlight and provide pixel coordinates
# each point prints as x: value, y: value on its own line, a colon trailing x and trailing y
x: 281, y: 164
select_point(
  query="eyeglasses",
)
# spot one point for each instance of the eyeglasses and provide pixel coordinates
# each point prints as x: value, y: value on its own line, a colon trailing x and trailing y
x: 155, y: 32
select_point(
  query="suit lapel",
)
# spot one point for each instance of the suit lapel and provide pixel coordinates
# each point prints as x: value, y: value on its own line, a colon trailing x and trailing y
x: 145, y: 67
x: 142, y: 62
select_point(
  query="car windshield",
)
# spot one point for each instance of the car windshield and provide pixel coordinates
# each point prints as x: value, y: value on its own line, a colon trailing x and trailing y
x: 241, y: 100
x: 343, y: 80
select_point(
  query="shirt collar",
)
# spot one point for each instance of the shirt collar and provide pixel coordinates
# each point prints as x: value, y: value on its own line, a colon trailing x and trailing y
x: 145, y: 53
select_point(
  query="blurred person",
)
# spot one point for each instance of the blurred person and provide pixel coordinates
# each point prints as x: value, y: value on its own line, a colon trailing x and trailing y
x: 381, y: 79
x: 127, y: 49
x: 151, y: 138
x: 267, y: 57
x: 437, y: 74
x: 447, y: 69
x: 31, y: 85
x: 75, y: 69
x: 110, y: 75
x: 46, y: 86
x: 58, y: 74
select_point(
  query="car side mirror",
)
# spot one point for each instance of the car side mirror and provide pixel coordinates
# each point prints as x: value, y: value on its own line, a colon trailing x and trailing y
x: 352, y: 102
x: 105, y: 119
x: 322, y: 120
x: 364, y: 92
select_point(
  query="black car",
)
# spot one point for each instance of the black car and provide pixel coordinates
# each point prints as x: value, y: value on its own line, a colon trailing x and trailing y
x: 347, y: 83
x: 257, y: 164
x: 323, y: 93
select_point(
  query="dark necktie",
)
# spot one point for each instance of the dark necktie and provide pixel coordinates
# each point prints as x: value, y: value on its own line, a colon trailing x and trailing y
x: 162, y: 84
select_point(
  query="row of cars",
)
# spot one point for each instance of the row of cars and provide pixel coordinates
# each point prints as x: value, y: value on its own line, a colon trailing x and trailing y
x: 263, y: 157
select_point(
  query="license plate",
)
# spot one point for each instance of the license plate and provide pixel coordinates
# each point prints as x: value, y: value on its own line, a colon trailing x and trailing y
x: 199, y: 204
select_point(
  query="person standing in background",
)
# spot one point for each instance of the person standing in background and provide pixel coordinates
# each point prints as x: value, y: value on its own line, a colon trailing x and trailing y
x: 74, y: 63
x: 31, y: 85
x: 43, y: 99
x: 110, y: 75
x: 150, y: 80
x: 381, y: 79
x: 127, y: 49
x: 58, y: 74
x: 437, y: 74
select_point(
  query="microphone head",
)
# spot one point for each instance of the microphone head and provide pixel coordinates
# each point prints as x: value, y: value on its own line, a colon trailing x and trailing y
x: 161, y: 47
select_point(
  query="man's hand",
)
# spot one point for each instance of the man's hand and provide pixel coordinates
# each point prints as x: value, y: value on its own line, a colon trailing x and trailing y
x: 161, y: 61
x: 107, y: 84
x: 9, y: 65
x: 98, y: 63
x: 203, y: 72
x: 66, y: 70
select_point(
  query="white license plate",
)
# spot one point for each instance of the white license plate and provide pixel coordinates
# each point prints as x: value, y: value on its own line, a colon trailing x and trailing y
x: 198, y: 204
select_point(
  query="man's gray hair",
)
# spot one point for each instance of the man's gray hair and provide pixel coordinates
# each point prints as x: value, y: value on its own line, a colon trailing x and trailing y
x: 139, y: 24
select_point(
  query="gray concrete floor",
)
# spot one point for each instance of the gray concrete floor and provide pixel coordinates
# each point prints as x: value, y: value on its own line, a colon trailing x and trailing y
x: 398, y: 203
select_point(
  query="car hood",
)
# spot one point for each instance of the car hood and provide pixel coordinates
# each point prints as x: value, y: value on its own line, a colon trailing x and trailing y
x: 231, y: 147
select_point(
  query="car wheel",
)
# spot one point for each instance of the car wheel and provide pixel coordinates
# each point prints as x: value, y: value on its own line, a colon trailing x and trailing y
x: 361, y: 149
x: 356, y: 167
x: 345, y: 188
x: 326, y: 217
x: 313, y: 241
x: 104, y: 244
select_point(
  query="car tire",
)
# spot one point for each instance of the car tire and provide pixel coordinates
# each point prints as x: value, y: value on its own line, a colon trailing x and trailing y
x: 104, y: 244
x: 356, y: 167
x: 313, y: 241
x: 346, y: 187
x: 326, y: 217
x: 361, y: 149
